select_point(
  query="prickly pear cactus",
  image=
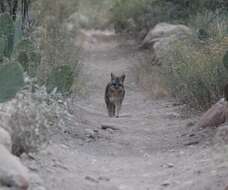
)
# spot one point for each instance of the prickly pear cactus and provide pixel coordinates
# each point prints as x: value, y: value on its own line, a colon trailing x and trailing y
x: 11, y: 80
x: 61, y: 78
x: 7, y: 29
x: 3, y: 45
x: 27, y: 55
x: 225, y: 60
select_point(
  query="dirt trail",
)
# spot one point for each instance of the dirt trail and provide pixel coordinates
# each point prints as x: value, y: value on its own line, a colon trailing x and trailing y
x: 153, y: 148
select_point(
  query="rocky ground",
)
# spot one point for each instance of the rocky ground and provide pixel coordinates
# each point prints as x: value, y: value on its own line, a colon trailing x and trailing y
x: 150, y: 147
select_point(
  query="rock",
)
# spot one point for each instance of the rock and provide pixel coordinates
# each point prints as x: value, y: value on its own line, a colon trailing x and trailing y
x: 12, y: 172
x: 215, y: 116
x: 109, y: 126
x: 36, y: 183
x: 5, y: 139
x: 165, y: 184
x: 163, y: 33
x: 90, y: 133
x: 91, y: 179
x: 102, y: 178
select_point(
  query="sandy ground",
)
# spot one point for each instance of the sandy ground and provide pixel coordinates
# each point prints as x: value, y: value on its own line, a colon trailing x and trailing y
x: 151, y: 148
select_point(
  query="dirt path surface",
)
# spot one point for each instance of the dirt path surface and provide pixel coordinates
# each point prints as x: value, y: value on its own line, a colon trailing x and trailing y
x: 151, y: 147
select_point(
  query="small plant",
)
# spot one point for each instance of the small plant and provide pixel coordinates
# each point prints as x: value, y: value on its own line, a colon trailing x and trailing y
x: 28, y: 56
x: 61, y: 78
x: 28, y: 130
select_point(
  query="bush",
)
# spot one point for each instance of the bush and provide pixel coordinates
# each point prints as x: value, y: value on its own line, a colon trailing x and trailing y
x: 144, y: 14
x: 195, y: 75
x: 28, y: 56
x: 31, y: 119
x: 29, y: 129
x: 57, y: 44
x: 209, y: 25
x: 94, y: 14
x: 61, y: 78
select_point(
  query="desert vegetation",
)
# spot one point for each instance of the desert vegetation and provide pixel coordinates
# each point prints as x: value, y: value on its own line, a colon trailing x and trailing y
x: 192, y: 69
x: 168, y: 48
x: 39, y: 60
x: 39, y: 53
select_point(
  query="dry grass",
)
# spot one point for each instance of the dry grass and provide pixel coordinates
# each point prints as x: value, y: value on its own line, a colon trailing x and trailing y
x: 194, y: 72
x: 148, y: 76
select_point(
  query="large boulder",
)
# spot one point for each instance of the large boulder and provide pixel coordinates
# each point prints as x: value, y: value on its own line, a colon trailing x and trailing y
x: 12, y: 173
x: 215, y: 116
x: 5, y: 139
x: 163, y: 34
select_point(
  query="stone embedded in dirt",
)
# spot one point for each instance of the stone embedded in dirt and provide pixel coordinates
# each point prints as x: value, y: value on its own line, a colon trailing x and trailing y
x: 168, y: 165
x: 36, y: 183
x: 91, y: 179
x: 5, y: 139
x: 109, y: 126
x: 215, y: 116
x: 12, y: 172
x: 166, y: 184
x: 90, y: 133
x: 191, y: 143
x: 60, y: 165
x: 101, y: 178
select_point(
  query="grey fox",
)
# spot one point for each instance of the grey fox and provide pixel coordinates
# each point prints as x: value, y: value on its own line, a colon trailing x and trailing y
x: 114, y: 95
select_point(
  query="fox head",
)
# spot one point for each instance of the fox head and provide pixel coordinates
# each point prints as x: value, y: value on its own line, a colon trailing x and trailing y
x: 117, y: 81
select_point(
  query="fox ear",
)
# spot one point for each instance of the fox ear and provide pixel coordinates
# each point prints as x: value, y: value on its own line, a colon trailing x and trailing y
x: 123, y: 76
x: 226, y: 92
x: 112, y: 76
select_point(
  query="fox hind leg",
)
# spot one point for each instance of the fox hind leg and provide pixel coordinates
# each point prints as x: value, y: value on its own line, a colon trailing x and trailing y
x: 113, y: 110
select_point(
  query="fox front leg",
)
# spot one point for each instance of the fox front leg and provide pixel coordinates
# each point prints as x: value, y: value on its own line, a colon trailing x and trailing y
x: 118, y: 107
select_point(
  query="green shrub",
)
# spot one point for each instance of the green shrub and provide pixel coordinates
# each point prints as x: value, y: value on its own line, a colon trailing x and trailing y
x: 94, y: 13
x: 61, y: 78
x: 11, y: 80
x: 124, y: 11
x: 209, y: 25
x: 146, y: 13
x: 28, y: 56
